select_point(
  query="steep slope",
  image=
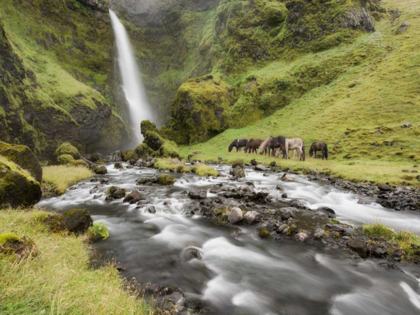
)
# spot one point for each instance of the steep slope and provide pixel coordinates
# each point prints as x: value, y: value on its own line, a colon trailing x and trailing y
x: 55, y: 66
x: 361, y: 113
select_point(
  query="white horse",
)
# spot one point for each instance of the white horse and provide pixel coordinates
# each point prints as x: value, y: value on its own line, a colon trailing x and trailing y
x: 298, y: 146
x: 263, y: 146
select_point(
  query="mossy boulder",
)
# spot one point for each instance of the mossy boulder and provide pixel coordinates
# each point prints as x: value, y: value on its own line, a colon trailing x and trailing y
x: 80, y: 163
x: 15, y: 244
x: 55, y: 223
x: 101, y: 170
x: 165, y: 179
x: 97, y: 232
x: 143, y: 150
x: 169, y: 149
x: 78, y: 221
x: 115, y: 192
x: 65, y: 159
x: 68, y: 149
x: 129, y: 155
x: 264, y: 233
x: 153, y: 140
x: 22, y: 156
x: 17, y: 186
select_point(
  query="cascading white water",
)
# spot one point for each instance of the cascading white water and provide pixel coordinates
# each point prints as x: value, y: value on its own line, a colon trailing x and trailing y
x: 135, y: 94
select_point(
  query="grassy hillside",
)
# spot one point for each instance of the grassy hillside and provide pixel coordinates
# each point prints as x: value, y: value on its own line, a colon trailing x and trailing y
x: 359, y: 114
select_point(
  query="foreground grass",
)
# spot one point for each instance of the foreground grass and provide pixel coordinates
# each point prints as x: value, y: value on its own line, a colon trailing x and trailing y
x: 359, y: 115
x: 408, y: 241
x: 58, y: 280
x: 61, y: 176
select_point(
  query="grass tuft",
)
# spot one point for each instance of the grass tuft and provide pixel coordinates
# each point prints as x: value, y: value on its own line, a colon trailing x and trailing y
x: 61, y: 177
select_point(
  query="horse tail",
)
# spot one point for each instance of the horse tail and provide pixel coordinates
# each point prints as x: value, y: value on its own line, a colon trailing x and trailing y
x: 326, y: 151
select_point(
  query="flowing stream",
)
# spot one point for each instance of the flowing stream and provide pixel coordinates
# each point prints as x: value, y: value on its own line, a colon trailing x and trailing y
x: 239, y: 273
x: 133, y: 87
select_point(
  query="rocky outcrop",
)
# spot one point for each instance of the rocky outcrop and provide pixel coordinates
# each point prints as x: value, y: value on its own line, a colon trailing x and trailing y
x: 358, y: 18
x: 22, y: 156
x: 77, y: 221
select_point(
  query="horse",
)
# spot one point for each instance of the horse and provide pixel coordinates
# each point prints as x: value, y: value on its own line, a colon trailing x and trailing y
x: 296, y: 145
x: 238, y: 144
x: 253, y: 145
x: 319, y: 146
x: 273, y: 145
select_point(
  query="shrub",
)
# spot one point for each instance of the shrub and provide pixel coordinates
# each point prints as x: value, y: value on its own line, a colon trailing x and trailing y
x: 99, y: 231
x: 65, y: 159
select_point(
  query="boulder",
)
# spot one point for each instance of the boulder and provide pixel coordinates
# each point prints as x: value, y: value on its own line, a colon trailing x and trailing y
x: 254, y: 162
x: 24, y: 157
x: 286, y: 213
x: 279, y: 187
x: 237, y: 164
x: 147, y: 180
x: 115, y: 157
x: 407, y: 125
x: 260, y: 167
x: 238, y: 172
x: 133, y: 197
x: 101, y: 170
x: 198, y: 194
x: 151, y: 209
x: 165, y: 179
x: 118, y: 166
x: 192, y: 253
x: 287, y: 178
x: 252, y: 217
x: 235, y: 215
x: 273, y: 164
x: 328, y: 211
x: 384, y: 187
x: 358, y: 246
x: 264, y: 233
x: 78, y: 220
x: 301, y: 236
x: 17, y: 187
x: 153, y: 140
x: 67, y: 148
x: 129, y: 155
x: 115, y: 193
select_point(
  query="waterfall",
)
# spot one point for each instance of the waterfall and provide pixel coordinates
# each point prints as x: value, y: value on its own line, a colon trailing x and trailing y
x: 135, y: 94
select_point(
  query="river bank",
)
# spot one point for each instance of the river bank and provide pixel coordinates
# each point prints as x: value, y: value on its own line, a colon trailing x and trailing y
x: 167, y: 240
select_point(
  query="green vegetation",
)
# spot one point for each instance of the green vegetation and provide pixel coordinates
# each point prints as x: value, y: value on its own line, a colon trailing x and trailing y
x: 204, y: 170
x: 165, y: 179
x: 172, y: 165
x: 129, y: 155
x: 99, y: 231
x: 358, y: 110
x: 409, y: 242
x: 65, y: 159
x: 67, y: 149
x: 59, y: 280
x: 61, y: 177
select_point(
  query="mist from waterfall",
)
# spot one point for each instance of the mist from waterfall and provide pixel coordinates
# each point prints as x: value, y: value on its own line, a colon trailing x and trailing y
x: 135, y: 94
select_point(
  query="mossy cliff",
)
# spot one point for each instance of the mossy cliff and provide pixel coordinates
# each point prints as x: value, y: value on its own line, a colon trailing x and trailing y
x: 55, y: 66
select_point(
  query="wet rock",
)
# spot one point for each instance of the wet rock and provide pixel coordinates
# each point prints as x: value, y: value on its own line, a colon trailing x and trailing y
x: 252, y: 217
x: 166, y: 180
x: 192, y: 253
x: 287, y: 178
x: 279, y: 187
x: 147, y: 180
x: 77, y: 220
x: 262, y: 194
x: 282, y: 228
x: 328, y: 211
x: 286, y: 213
x: 296, y: 204
x: 237, y: 172
x: 264, y: 233
x: 254, y: 162
x: 151, y: 209
x: 404, y: 26
x: 384, y: 187
x: 235, y: 215
x: 261, y: 167
x: 115, y: 193
x: 101, y: 170
x: 237, y: 164
x: 120, y: 267
x: 407, y: 125
x: 198, y: 194
x: 336, y: 228
x: 104, y: 180
x: 115, y: 157
x: 284, y: 195
x: 358, y: 246
x: 133, y: 197
x: 118, y: 166
x: 97, y: 196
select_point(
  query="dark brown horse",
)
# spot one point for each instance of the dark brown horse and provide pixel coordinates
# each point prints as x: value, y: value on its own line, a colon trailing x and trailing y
x: 273, y: 146
x: 238, y: 144
x: 319, y: 146
x: 253, y: 146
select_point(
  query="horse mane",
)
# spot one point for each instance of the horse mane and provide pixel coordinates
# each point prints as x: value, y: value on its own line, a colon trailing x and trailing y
x: 264, y: 144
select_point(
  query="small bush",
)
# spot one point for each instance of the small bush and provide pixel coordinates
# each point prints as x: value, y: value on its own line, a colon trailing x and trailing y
x: 378, y: 230
x: 65, y: 159
x: 99, y: 231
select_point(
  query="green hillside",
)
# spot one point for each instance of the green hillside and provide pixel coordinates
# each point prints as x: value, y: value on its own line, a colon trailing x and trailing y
x: 359, y: 112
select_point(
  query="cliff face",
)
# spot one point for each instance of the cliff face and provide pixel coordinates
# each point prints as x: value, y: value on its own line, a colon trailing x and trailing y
x: 55, y: 62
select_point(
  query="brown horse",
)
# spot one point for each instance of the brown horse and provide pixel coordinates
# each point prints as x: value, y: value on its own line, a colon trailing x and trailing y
x: 273, y: 145
x: 319, y: 146
x: 253, y: 146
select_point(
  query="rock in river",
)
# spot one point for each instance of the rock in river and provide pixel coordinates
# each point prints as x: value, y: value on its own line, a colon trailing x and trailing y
x: 235, y: 215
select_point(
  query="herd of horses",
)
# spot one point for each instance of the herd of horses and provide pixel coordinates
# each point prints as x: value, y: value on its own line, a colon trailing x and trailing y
x: 279, y: 146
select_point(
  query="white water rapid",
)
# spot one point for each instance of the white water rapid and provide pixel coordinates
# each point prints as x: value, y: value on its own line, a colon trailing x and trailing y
x: 135, y: 94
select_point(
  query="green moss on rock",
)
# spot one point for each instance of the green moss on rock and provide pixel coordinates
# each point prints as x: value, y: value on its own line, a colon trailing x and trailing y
x: 67, y: 149
x: 12, y: 243
x: 22, y: 156
x: 79, y: 163
x: 264, y: 233
x: 99, y: 231
x: 78, y: 220
x: 129, y: 155
x: 143, y: 150
x: 166, y: 180
x: 65, y: 159
x: 204, y: 170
